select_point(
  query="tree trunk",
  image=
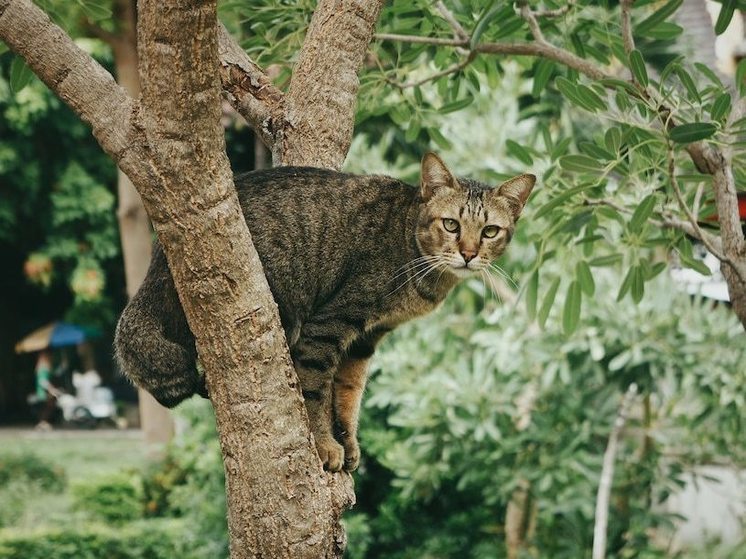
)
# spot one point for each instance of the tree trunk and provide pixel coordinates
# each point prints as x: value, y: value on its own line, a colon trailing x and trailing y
x: 134, y: 226
x: 170, y: 143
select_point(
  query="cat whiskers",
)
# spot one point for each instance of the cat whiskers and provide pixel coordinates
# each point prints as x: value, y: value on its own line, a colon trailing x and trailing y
x: 503, y: 274
x: 488, y: 278
x: 419, y: 267
x: 413, y: 264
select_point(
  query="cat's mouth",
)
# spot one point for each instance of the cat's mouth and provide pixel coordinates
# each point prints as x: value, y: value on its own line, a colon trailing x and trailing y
x: 464, y: 269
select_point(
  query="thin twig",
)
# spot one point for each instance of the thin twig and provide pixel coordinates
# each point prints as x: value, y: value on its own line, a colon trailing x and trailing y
x: 445, y: 72
x: 626, y: 17
x: 607, y: 475
x: 438, y: 41
x: 558, y: 12
x: 458, y: 31
x: 704, y: 237
x: 530, y: 18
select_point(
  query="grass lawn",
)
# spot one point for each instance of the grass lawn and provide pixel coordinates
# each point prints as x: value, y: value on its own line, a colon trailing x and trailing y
x: 82, y: 455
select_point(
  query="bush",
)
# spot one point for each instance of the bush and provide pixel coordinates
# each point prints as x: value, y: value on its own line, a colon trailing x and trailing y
x: 154, y: 539
x: 117, y: 498
x: 29, y: 467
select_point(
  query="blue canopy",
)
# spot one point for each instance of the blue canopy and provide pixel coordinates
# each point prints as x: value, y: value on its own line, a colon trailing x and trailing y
x: 64, y: 334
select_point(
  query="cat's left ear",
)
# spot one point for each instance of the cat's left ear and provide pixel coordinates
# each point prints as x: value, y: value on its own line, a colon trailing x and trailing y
x: 434, y: 176
x: 517, y: 191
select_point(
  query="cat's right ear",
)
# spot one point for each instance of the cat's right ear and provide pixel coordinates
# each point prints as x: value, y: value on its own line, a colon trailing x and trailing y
x: 434, y: 176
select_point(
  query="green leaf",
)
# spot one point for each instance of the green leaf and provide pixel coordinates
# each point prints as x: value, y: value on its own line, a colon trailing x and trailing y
x: 519, y: 152
x: 657, y: 17
x: 20, y: 74
x: 692, y: 132
x: 664, y: 31
x: 585, y: 278
x: 694, y: 264
x: 626, y: 283
x: 456, y: 105
x: 712, y: 76
x: 548, y: 301
x: 725, y: 15
x: 618, y: 84
x: 637, y: 284
x: 608, y: 260
x: 532, y: 294
x: 569, y: 90
x: 637, y: 65
x: 642, y: 213
x: 741, y: 76
x: 613, y: 139
x: 438, y: 137
x: 595, y: 151
x: 542, y: 73
x: 560, y: 199
x: 590, y: 97
x: 482, y: 25
x: 413, y: 130
x: 580, y: 163
x: 654, y: 270
x: 3, y: 48
x: 571, y: 311
x: 688, y: 82
x: 721, y: 107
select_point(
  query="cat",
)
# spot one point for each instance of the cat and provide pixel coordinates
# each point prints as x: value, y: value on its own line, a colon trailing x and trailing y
x: 348, y: 258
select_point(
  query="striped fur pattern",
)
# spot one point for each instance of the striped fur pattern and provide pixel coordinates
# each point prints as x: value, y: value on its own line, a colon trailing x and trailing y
x: 348, y: 258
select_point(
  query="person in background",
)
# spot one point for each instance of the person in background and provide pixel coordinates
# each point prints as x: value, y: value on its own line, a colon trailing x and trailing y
x: 45, y: 390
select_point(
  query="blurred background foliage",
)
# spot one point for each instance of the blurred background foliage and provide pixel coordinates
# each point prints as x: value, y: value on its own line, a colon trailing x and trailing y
x: 513, y: 386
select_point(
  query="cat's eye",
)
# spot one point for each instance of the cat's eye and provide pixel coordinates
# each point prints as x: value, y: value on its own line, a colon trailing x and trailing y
x: 450, y: 225
x: 490, y: 231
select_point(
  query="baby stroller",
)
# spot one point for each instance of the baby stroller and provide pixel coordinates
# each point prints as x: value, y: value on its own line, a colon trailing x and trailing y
x: 92, y: 403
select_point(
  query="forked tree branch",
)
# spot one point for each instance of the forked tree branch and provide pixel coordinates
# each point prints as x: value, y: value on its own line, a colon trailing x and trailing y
x: 81, y: 82
x: 250, y: 90
x: 323, y: 90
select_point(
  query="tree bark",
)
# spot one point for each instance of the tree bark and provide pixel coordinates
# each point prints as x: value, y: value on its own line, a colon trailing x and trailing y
x: 134, y: 226
x: 320, y: 104
x: 281, y: 503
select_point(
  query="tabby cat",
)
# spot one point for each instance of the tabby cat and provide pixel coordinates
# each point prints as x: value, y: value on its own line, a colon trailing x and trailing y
x: 348, y: 258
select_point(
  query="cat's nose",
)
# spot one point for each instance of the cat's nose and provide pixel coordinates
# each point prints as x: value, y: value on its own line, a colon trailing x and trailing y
x: 468, y: 255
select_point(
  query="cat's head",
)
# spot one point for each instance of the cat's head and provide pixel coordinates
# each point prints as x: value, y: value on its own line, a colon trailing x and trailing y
x: 463, y: 224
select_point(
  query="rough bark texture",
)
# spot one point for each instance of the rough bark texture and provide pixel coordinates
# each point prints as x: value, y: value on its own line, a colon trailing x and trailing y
x: 320, y: 104
x: 281, y: 504
x: 134, y: 225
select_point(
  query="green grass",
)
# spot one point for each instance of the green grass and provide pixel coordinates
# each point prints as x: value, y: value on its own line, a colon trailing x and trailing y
x: 83, y: 455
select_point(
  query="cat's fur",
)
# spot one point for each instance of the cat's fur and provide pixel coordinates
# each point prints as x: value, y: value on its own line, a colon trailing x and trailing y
x: 348, y: 258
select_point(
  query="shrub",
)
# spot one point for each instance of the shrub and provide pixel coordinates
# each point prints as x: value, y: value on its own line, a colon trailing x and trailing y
x: 116, y: 498
x: 154, y: 539
x: 31, y: 468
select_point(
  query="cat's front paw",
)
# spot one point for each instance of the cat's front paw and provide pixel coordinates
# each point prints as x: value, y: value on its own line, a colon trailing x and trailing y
x: 352, y: 454
x: 331, y: 453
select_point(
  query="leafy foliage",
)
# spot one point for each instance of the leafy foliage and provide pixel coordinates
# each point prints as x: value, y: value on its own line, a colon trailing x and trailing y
x: 114, y: 499
x: 58, y: 202
x: 462, y: 411
x: 156, y: 539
